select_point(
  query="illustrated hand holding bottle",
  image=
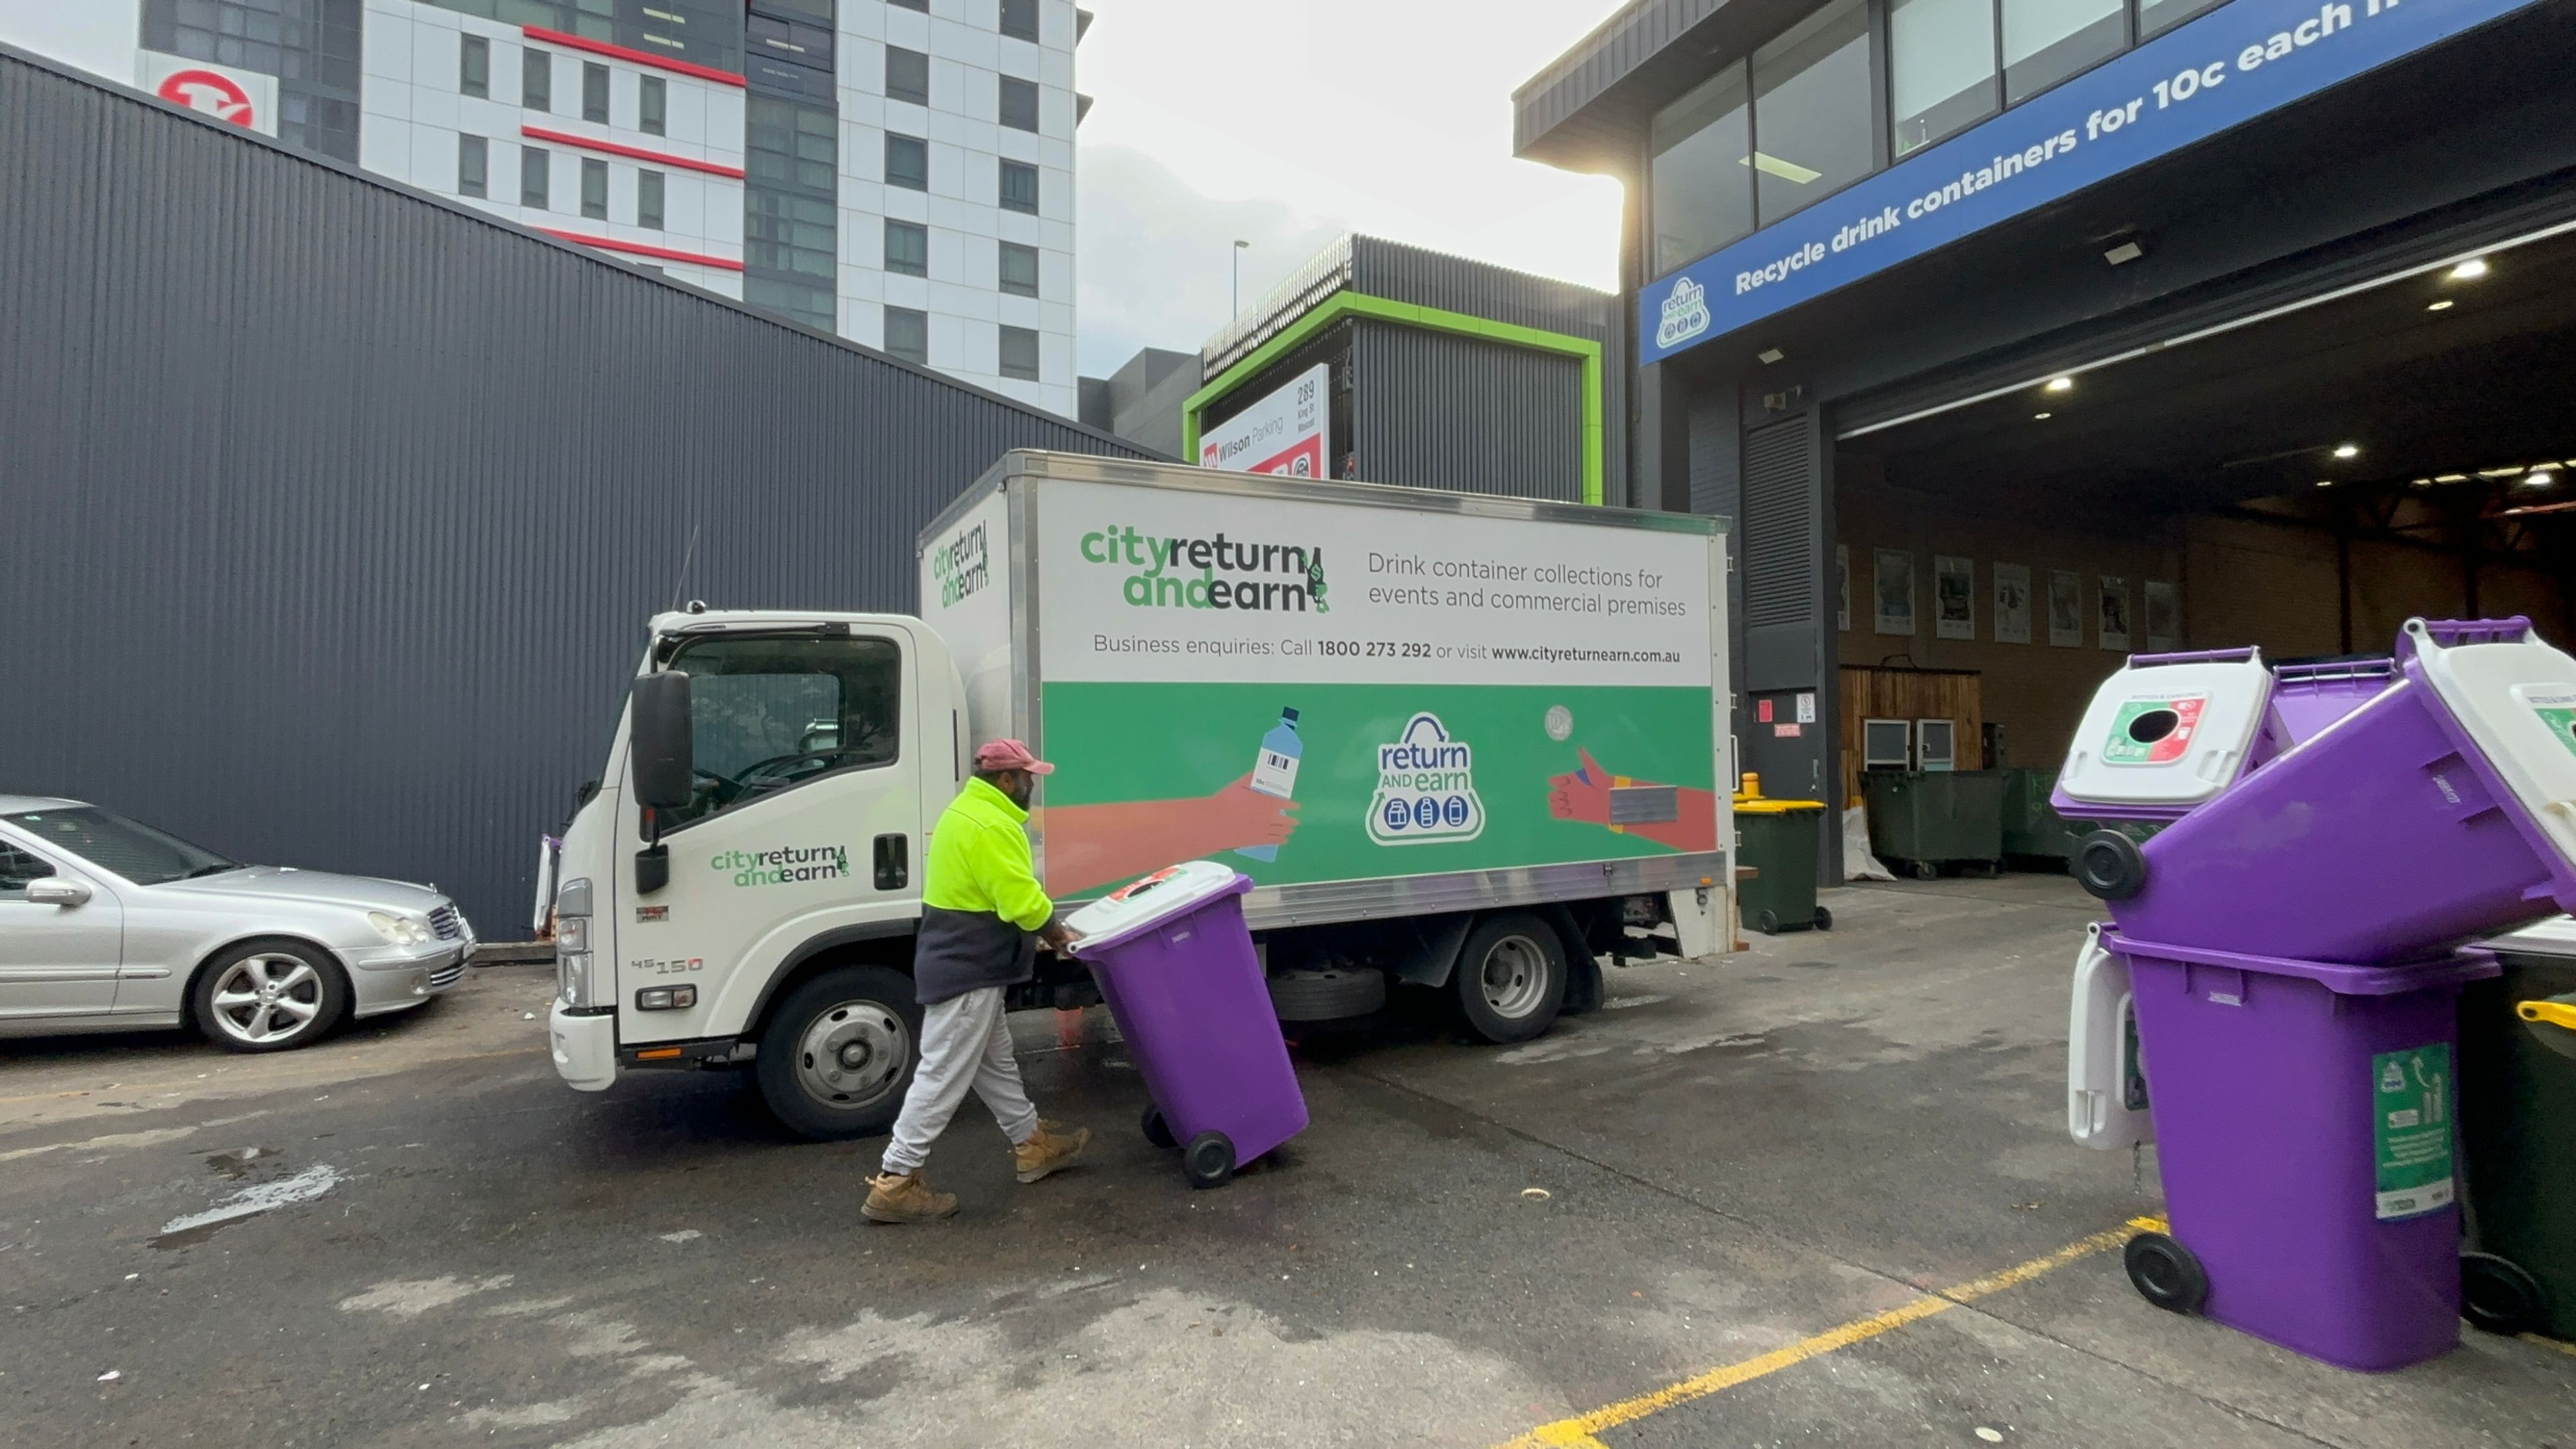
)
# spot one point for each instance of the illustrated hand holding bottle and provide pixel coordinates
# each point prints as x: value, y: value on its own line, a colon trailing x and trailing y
x: 1274, y: 773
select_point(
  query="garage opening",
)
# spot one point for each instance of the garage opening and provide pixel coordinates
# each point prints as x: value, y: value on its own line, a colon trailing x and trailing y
x: 2302, y: 479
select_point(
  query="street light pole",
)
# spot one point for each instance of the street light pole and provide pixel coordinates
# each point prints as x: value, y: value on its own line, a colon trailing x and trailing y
x: 1237, y: 299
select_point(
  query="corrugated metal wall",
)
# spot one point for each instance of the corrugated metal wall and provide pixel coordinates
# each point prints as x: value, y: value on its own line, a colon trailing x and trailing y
x: 330, y: 515
x: 1438, y: 410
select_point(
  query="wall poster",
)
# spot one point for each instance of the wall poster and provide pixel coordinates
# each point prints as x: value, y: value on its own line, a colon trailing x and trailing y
x: 2164, y: 617
x: 2115, y: 612
x: 2012, y: 603
x: 2065, y: 609
x: 1954, y: 597
x: 1892, y: 591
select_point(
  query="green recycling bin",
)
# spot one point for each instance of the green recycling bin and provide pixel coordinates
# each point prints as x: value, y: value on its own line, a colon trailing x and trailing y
x: 2517, y: 1121
x: 1780, y: 840
x: 2034, y: 833
x: 1926, y: 819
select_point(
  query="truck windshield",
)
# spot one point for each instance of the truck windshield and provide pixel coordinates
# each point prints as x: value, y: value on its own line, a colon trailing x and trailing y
x: 768, y: 714
x: 128, y: 848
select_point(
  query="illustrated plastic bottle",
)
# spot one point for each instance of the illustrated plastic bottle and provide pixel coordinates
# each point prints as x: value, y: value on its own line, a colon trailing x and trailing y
x: 1275, y: 772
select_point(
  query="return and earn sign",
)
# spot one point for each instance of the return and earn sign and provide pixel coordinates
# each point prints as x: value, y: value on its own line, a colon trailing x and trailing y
x: 2237, y: 62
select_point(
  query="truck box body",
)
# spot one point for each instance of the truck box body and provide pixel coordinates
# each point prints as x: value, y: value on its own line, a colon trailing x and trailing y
x: 1453, y: 661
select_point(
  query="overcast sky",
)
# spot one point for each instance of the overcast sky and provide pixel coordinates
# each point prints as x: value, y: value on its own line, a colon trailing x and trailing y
x: 1289, y: 122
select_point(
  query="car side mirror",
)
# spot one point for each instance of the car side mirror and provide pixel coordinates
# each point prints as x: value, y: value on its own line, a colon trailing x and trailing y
x: 57, y: 892
x: 662, y: 741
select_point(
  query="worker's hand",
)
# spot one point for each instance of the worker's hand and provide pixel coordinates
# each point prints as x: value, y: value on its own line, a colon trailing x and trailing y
x: 1058, y: 936
x: 1239, y: 815
x: 1582, y: 796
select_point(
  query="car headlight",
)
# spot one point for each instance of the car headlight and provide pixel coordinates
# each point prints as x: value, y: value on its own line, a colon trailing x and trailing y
x: 401, y: 930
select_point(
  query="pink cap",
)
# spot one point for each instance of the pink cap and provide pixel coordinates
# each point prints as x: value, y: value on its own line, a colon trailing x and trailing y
x: 1009, y: 755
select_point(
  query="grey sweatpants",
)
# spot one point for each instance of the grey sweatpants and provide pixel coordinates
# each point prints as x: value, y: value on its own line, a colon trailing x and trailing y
x: 964, y: 1043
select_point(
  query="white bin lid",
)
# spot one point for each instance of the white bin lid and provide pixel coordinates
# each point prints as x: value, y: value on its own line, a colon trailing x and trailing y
x: 2167, y: 734
x: 2517, y: 700
x: 2553, y: 937
x: 1172, y: 891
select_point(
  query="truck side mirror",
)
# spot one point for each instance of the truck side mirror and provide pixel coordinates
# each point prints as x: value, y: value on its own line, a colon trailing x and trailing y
x: 661, y: 741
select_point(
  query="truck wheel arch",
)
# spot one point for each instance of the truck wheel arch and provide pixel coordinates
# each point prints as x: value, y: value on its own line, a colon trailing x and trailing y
x: 1443, y: 942
x: 878, y: 943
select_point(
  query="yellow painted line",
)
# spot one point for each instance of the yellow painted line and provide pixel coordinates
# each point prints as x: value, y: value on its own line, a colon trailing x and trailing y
x: 1578, y: 1432
x: 2566, y: 1348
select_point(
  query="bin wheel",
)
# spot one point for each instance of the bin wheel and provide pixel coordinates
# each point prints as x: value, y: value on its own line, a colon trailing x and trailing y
x: 2497, y: 1296
x: 1824, y: 919
x: 2165, y: 1273
x: 1158, y: 1131
x: 1924, y: 870
x: 2107, y: 864
x: 1209, y: 1161
x: 1768, y: 923
x: 1991, y: 870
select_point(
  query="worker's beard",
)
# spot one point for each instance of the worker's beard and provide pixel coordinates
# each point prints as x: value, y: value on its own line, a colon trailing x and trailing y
x: 1023, y: 788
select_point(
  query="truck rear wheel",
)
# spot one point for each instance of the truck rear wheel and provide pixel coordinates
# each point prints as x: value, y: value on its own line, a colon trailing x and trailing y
x: 839, y: 1051
x: 1510, y: 978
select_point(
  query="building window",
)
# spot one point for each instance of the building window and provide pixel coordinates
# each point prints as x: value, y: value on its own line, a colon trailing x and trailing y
x: 1019, y: 187
x: 594, y: 188
x: 1814, y: 129
x: 907, y: 248
x: 1020, y: 354
x: 2155, y: 17
x: 1019, y: 269
x: 2045, y: 41
x: 473, y: 166
x: 1020, y: 19
x: 907, y: 334
x: 907, y: 76
x: 778, y: 38
x: 311, y: 46
x: 907, y: 162
x: 533, y: 162
x: 1940, y: 67
x: 1703, y: 174
x: 594, y: 93
x: 1019, y: 103
x: 792, y: 145
x: 474, y: 68
x: 652, y: 105
x: 921, y: 5
x: 537, y: 81
x: 648, y: 200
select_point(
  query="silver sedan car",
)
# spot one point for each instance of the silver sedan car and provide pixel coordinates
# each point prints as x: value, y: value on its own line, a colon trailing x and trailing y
x: 107, y: 924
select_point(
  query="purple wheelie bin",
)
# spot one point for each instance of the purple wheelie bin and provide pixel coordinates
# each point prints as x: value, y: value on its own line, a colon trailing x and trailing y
x: 2443, y: 808
x: 1176, y: 965
x: 2304, y: 1130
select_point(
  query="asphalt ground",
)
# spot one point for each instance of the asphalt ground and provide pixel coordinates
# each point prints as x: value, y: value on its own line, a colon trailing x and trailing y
x: 1814, y: 1193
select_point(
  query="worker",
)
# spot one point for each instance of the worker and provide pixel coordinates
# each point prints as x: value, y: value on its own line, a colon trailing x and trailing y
x: 983, y: 914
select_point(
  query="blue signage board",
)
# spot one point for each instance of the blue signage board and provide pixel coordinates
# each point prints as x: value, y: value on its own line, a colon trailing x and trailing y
x: 2239, y: 61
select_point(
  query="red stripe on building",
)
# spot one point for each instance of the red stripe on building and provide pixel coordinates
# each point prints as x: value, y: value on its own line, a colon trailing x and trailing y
x: 641, y: 250
x: 588, y: 143
x: 639, y: 57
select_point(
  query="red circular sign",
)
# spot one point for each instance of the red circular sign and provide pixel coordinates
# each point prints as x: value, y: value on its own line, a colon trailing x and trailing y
x: 209, y: 91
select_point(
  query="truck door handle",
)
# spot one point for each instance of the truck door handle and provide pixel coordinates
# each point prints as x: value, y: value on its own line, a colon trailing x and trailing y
x: 893, y: 868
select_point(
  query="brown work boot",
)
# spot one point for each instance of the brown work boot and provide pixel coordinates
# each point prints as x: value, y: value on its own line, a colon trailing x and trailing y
x: 1048, y: 1151
x: 902, y: 1197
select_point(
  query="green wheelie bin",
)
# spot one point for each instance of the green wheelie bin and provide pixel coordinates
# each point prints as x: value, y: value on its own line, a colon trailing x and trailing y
x: 1921, y: 820
x: 1779, y: 839
x: 2518, y: 1132
x: 2035, y: 834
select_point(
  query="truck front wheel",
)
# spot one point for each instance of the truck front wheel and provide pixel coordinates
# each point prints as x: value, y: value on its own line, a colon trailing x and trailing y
x: 1510, y: 978
x: 839, y: 1051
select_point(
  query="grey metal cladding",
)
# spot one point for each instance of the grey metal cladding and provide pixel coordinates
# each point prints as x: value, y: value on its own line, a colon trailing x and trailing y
x: 333, y: 512
x: 1439, y: 410
x: 1425, y: 278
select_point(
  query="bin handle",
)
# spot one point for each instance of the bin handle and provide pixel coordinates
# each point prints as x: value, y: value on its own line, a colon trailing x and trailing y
x: 2556, y: 1013
x: 2452, y: 633
x: 2200, y: 656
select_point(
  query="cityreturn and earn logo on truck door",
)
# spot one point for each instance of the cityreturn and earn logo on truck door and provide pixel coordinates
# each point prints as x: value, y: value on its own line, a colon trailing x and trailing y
x: 787, y: 865
x: 1261, y: 577
x: 963, y: 566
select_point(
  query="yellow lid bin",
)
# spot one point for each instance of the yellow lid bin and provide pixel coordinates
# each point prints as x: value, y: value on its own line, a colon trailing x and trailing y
x: 1780, y: 839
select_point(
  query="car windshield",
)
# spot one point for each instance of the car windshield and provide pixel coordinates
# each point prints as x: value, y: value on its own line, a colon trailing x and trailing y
x: 129, y: 848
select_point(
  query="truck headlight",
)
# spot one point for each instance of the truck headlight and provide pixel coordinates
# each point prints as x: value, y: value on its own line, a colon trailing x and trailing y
x: 401, y: 930
x: 572, y: 980
x: 572, y: 933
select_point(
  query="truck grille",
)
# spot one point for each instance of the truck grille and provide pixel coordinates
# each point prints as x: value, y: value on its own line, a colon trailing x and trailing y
x: 443, y: 921
x: 446, y: 976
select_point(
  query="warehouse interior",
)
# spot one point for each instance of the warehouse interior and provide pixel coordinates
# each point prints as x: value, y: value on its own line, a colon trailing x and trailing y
x: 2303, y: 477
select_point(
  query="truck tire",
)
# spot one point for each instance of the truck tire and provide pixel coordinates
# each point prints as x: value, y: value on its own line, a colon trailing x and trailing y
x: 839, y: 1051
x: 1510, y: 978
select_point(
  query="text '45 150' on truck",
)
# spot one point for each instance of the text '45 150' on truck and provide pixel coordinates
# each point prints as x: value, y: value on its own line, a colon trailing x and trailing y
x: 1464, y: 744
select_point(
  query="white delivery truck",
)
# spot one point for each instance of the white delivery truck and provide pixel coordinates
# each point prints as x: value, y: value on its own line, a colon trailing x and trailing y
x: 1462, y: 743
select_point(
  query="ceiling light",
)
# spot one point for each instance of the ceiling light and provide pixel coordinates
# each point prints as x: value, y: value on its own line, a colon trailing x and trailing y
x: 2470, y: 270
x: 2497, y: 472
x: 2442, y: 306
x: 2061, y: 384
x: 1770, y: 355
x: 2348, y: 450
x: 2128, y: 251
x: 2039, y: 417
x: 2450, y: 477
x: 2421, y: 483
x: 2325, y: 482
x: 2538, y: 478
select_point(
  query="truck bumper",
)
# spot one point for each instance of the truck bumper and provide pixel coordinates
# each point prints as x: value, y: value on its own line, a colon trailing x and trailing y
x: 585, y: 1049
